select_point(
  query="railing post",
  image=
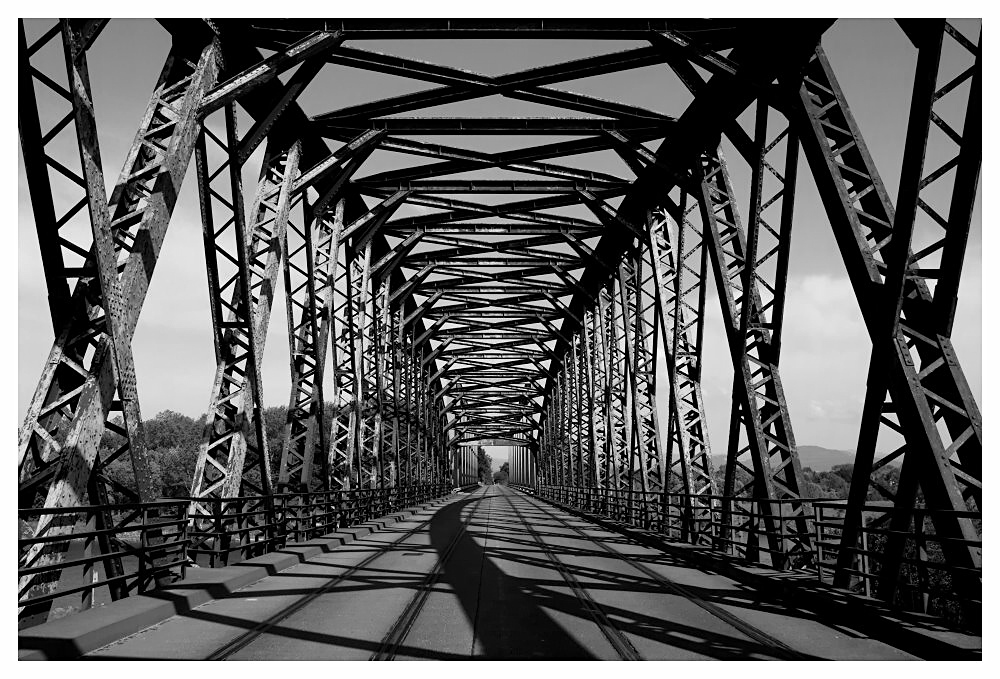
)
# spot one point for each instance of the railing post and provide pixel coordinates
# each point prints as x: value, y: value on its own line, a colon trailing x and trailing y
x: 89, y: 574
x: 818, y: 529
x: 918, y: 519
x: 864, y: 561
x: 782, y: 557
x: 220, y: 527
x: 183, y: 531
x: 142, y: 576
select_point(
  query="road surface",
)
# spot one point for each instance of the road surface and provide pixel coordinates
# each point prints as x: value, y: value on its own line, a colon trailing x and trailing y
x: 494, y: 574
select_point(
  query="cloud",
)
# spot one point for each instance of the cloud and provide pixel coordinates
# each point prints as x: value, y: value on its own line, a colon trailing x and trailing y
x: 822, y: 310
x: 824, y: 363
x: 841, y: 411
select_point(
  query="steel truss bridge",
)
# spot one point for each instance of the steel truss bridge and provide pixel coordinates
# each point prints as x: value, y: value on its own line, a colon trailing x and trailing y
x: 564, y: 319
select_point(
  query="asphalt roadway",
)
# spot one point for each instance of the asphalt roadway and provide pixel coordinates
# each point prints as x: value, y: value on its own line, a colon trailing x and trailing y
x: 494, y: 574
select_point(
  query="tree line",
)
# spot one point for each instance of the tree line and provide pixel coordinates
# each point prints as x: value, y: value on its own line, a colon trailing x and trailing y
x: 833, y: 485
x: 172, y: 440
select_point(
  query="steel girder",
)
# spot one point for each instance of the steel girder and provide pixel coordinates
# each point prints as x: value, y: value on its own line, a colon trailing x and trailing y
x: 112, y: 298
x: 243, y: 264
x: 913, y: 362
x: 613, y: 415
x: 387, y: 418
x: 342, y: 353
x: 362, y: 446
x: 646, y: 458
x: 452, y: 326
x: 737, y: 81
x: 760, y: 410
x: 381, y: 372
x: 680, y: 311
x: 309, y: 261
x: 619, y: 420
x: 90, y: 360
x: 591, y: 400
x: 617, y: 404
x: 522, y: 467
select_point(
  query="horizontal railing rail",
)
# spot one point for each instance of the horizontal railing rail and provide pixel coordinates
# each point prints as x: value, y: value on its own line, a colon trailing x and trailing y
x: 131, y: 548
x: 926, y: 584
x: 737, y: 526
x: 145, y: 543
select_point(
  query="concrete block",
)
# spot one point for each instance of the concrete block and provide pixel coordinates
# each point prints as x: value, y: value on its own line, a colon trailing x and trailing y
x: 76, y: 635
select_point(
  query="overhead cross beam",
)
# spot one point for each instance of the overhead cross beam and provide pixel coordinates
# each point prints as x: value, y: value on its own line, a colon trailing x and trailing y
x: 567, y: 321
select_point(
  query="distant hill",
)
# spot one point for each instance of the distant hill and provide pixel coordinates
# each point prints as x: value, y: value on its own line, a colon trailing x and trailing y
x: 817, y: 458
x: 821, y: 459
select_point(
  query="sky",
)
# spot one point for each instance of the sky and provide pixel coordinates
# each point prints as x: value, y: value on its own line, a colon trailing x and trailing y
x: 825, y: 347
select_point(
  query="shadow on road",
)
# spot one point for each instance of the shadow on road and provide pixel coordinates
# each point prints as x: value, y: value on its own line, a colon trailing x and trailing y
x: 515, y: 626
x: 512, y: 615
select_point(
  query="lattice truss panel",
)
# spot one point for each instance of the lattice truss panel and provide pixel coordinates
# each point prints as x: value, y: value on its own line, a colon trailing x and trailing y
x: 545, y: 292
x: 752, y: 296
x: 916, y: 387
x: 97, y: 275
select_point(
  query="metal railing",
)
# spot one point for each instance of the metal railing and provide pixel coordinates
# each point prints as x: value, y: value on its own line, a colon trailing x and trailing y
x: 228, y: 530
x: 139, y: 546
x: 134, y: 547
x: 926, y: 584
x: 738, y: 526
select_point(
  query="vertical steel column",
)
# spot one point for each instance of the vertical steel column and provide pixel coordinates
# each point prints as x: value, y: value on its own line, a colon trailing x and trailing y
x: 575, y: 448
x: 593, y: 399
x: 691, y: 470
x: 67, y: 416
x: 646, y: 459
x: 617, y: 399
x: 918, y: 366
x: 430, y: 434
x: 543, y: 443
x: 749, y: 319
x: 402, y: 392
x: 233, y: 455
x: 647, y: 335
x: 386, y: 413
x: 362, y: 445
x: 579, y: 377
x: 340, y: 456
x: 427, y: 437
x: 111, y: 297
x: 440, y: 450
x: 565, y: 424
x: 308, y: 271
x: 69, y: 412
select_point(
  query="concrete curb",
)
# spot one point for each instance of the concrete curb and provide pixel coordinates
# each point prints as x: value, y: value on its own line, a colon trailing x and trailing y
x: 73, y: 636
x: 921, y: 635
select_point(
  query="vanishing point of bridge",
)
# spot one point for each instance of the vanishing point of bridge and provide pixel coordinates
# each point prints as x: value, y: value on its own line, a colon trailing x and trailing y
x: 513, y: 298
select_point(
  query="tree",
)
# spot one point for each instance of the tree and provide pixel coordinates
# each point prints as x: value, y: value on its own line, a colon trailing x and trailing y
x: 485, y: 465
x: 503, y: 475
x: 172, y: 441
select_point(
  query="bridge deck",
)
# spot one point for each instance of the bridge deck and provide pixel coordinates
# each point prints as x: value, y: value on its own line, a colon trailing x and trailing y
x: 494, y: 574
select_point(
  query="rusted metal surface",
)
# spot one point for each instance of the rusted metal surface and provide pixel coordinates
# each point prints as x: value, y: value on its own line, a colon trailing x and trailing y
x: 530, y: 312
x: 74, y: 399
